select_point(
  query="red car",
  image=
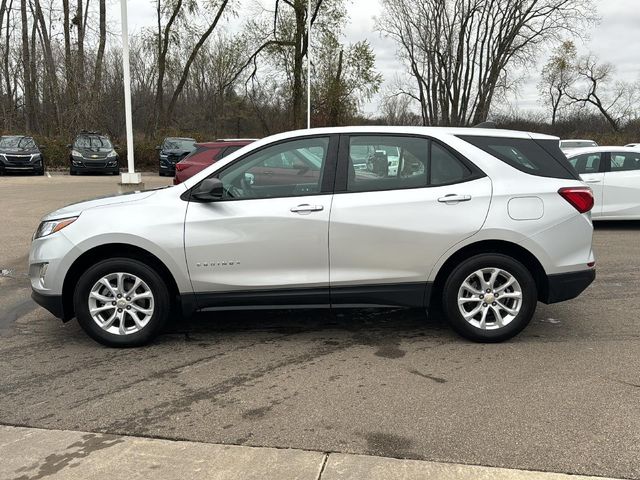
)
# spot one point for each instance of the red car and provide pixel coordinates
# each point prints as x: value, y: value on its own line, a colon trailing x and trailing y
x: 206, y: 154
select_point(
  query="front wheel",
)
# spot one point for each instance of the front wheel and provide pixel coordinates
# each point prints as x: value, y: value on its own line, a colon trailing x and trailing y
x: 121, y: 302
x: 489, y: 298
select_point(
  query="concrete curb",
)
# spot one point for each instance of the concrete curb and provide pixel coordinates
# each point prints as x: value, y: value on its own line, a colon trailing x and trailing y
x: 30, y: 453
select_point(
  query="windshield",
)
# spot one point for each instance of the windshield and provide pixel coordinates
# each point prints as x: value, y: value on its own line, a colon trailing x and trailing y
x: 578, y: 144
x: 17, y: 142
x: 92, y: 141
x: 179, y: 144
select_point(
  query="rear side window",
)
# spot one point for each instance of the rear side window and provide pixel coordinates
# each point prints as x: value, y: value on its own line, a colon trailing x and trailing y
x: 387, y: 162
x: 525, y: 154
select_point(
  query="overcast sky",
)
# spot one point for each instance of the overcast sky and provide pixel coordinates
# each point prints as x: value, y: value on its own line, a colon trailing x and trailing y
x: 616, y: 39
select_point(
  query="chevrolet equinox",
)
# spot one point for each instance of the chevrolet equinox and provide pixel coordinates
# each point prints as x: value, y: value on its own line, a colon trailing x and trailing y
x: 481, y: 223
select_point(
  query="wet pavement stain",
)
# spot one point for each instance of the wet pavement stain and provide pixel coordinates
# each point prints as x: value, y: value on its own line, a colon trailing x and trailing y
x: 16, y: 311
x: 56, y: 462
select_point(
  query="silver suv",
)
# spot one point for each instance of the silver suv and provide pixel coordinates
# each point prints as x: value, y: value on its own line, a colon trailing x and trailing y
x: 482, y: 223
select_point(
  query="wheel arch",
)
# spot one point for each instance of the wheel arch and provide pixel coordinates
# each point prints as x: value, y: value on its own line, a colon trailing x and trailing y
x: 503, y: 247
x: 112, y: 250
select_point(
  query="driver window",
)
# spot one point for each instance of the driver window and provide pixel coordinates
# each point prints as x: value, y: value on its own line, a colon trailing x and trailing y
x: 289, y: 169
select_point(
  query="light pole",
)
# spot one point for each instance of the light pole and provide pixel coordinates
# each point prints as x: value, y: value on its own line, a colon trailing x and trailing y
x: 130, y: 180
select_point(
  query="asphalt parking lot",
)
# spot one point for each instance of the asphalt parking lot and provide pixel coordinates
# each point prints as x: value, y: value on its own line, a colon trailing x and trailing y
x: 563, y: 396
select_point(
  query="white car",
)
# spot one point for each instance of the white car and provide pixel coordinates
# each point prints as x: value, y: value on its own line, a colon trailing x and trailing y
x: 613, y: 173
x: 483, y: 223
x: 569, y: 145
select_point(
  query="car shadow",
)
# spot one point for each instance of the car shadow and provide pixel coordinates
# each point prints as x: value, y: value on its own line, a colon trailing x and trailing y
x: 617, y: 225
x: 398, y: 321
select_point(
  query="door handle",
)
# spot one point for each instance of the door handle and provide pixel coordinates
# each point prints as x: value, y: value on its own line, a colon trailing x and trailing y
x: 305, y: 209
x: 452, y: 198
x: 593, y: 181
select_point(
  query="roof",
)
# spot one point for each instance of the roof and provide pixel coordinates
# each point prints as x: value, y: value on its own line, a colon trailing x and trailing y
x: 486, y: 132
x: 226, y: 143
x: 576, y: 140
x: 580, y: 151
x: 180, y: 138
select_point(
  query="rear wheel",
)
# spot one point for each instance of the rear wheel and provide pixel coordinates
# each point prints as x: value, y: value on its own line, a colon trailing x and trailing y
x: 489, y: 298
x: 121, y: 302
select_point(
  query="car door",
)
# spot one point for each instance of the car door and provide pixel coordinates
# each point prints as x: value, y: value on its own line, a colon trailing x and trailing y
x: 591, y: 167
x: 621, y: 190
x: 388, y: 231
x: 264, y: 244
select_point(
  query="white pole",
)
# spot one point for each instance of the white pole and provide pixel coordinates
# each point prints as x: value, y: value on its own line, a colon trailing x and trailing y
x: 131, y: 177
x: 308, y: 63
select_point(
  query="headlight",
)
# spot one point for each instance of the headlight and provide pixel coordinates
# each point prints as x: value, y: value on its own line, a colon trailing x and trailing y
x: 52, y: 226
x: 75, y: 153
x: 112, y: 154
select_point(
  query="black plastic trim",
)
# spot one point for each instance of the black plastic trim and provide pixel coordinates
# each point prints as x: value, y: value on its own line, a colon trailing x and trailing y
x: 52, y: 303
x: 385, y: 295
x: 415, y: 295
x: 565, y: 286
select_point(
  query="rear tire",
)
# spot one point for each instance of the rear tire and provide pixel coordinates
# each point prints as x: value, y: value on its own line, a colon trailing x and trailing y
x: 489, y: 298
x: 129, y: 300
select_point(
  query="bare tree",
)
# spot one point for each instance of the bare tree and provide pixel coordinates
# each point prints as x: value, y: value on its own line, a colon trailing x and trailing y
x: 459, y: 51
x: 595, y: 86
x: 558, y: 76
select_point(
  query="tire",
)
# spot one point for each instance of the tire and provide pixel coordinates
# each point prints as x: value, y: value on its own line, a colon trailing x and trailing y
x: 152, y: 312
x: 515, y: 313
x: 72, y: 172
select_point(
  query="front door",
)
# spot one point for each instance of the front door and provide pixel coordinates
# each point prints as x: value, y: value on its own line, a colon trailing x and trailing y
x: 265, y: 240
x: 389, y: 227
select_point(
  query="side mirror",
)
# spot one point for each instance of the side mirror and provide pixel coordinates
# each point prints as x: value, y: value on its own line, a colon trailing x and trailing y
x: 158, y: 147
x: 116, y: 147
x: 69, y: 145
x: 42, y: 146
x: 209, y: 190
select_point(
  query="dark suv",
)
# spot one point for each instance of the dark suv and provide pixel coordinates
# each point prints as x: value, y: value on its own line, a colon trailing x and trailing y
x: 20, y: 154
x: 172, y: 150
x: 92, y: 152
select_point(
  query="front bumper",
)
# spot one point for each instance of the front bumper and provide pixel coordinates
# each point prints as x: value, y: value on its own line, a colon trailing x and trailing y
x: 103, y: 165
x: 52, y: 303
x: 565, y: 286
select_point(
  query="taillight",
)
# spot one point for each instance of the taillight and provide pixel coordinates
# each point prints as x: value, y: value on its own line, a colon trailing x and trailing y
x: 581, y: 198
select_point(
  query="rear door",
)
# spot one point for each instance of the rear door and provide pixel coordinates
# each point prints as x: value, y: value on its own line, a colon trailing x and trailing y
x: 591, y: 167
x: 387, y: 231
x: 621, y: 190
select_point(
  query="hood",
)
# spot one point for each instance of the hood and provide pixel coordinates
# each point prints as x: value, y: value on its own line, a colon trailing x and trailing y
x: 76, y: 209
x: 19, y: 151
x: 91, y: 153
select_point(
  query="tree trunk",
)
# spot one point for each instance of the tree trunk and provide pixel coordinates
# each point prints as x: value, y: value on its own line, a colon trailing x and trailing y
x: 97, y: 74
x: 192, y: 57
x: 26, y: 67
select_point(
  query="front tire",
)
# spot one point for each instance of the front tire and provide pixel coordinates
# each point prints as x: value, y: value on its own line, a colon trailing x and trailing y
x: 121, y: 302
x: 489, y: 298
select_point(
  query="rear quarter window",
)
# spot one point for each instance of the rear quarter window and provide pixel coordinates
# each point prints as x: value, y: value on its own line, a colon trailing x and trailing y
x: 527, y: 155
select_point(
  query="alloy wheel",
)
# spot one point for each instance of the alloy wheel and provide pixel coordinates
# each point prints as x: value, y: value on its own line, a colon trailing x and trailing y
x: 490, y: 298
x: 121, y: 303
